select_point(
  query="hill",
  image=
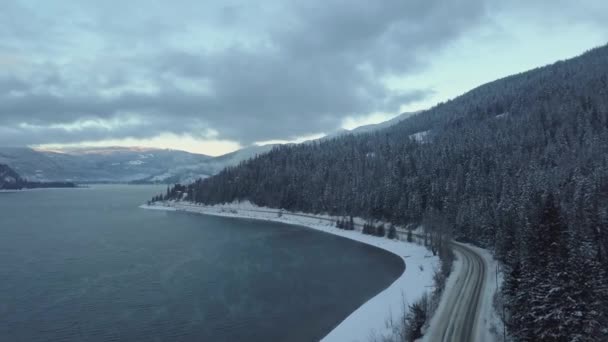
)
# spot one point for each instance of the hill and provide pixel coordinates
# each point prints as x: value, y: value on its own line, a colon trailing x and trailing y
x: 113, y: 164
x: 10, y: 180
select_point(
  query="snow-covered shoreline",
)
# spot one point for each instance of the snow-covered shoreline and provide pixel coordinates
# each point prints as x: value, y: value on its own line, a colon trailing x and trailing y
x: 370, y: 320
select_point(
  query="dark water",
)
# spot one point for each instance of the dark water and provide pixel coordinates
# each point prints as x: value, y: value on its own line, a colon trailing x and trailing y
x: 88, y: 265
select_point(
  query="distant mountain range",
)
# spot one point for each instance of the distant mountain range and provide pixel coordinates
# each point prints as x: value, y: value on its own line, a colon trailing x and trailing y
x: 95, y: 165
x: 136, y: 165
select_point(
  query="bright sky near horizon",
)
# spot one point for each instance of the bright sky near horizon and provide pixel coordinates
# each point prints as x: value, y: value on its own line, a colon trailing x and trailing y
x: 213, y: 76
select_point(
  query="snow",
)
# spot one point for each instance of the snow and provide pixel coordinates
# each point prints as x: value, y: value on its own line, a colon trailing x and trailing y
x: 136, y: 162
x: 161, y: 177
x: 490, y: 326
x: 449, y: 285
x: 156, y: 207
x: 185, y: 176
x: 420, y: 136
x: 371, y: 320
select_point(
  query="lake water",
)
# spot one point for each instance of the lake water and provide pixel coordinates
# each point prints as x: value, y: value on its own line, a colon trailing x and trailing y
x: 89, y: 265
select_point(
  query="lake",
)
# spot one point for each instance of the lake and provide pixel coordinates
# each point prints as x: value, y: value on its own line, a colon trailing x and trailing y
x: 89, y: 265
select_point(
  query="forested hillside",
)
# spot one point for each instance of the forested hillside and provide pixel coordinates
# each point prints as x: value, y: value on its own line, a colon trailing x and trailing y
x: 519, y: 165
x: 10, y: 180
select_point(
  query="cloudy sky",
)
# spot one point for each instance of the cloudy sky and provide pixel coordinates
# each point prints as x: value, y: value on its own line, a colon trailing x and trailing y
x: 212, y: 76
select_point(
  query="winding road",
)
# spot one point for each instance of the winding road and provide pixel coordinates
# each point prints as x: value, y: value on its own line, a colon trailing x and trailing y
x: 457, y: 317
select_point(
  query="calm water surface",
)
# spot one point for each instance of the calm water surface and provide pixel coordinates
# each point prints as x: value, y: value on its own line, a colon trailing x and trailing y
x: 89, y: 265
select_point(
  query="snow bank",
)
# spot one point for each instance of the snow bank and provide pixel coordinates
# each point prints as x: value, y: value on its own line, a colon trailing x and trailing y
x: 156, y: 207
x: 449, y: 285
x: 372, y: 319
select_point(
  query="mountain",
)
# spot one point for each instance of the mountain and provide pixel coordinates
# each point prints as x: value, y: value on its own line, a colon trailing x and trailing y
x: 118, y: 164
x: 376, y: 127
x: 137, y: 165
x: 187, y: 173
x: 366, y: 128
x: 518, y: 165
x: 95, y: 164
x: 10, y: 180
x: 212, y: 166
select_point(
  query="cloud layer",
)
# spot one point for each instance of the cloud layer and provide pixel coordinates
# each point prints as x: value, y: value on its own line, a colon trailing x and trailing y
x: 241, y: 72
x: 78, y: 70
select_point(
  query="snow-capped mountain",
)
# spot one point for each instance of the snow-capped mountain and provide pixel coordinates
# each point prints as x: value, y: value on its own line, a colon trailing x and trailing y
x: 118, y: 164
x: 139, y: 165
x: 95, y: 165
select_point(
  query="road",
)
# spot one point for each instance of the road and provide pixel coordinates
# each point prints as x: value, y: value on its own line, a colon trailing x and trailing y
x: 457, y: 317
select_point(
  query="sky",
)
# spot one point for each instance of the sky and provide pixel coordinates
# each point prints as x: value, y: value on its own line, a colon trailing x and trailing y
x: 217, y: 75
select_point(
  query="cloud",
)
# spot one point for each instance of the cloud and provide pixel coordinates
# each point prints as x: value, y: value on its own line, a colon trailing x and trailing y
x: 243, y: 71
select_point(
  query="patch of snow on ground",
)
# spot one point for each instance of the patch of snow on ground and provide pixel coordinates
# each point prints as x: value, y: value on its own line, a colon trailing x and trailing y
x: 162, y: 177
x: 449, y: 285
x: 369, y: 321
x: 420, y: 136
x: 157, y: 207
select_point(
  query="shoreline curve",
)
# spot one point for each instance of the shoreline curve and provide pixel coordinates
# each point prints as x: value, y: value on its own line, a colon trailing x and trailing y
x: 373, y: 318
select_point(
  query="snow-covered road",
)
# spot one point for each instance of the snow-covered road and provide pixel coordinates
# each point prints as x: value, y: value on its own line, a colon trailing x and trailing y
x: 458, y: 316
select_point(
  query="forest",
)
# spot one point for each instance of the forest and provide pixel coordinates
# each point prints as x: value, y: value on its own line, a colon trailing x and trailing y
x: 518, y: 166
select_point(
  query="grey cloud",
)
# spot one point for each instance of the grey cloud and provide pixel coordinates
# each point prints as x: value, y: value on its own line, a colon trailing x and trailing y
x: 553, y: 13
x: 12, y: 84
x: 287, y: 70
